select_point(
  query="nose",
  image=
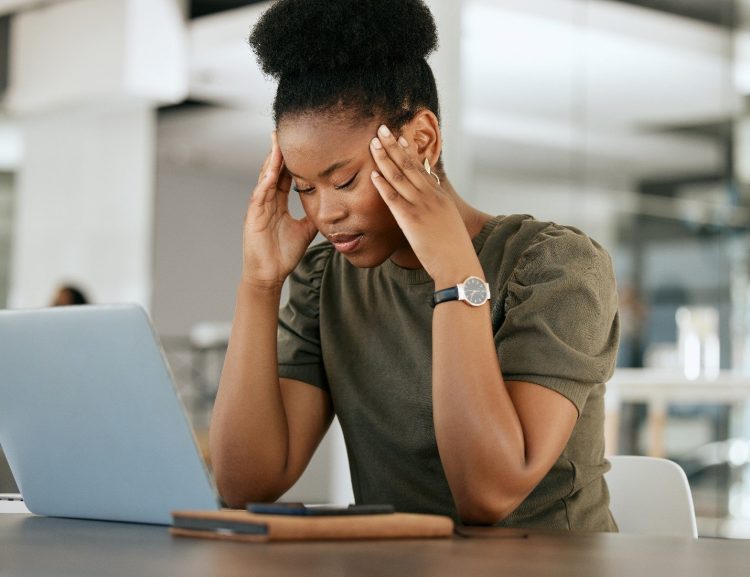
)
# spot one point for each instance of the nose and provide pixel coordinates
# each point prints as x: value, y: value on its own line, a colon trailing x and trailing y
x: 331, y: 207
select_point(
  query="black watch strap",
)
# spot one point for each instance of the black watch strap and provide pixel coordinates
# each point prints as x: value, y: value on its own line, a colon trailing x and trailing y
x: 441, y: 296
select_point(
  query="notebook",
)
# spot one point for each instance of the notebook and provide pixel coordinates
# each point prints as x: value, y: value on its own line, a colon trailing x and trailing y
x: 257, y: 528
x: 90, y: 420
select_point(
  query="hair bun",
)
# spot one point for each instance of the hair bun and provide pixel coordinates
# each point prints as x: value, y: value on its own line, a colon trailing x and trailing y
x: 298, y: 36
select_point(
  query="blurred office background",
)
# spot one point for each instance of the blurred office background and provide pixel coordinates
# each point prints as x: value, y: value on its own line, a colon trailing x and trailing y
x: 131, y: 133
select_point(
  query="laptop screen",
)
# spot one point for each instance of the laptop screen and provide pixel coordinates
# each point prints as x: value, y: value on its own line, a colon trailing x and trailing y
x: 90, y: 420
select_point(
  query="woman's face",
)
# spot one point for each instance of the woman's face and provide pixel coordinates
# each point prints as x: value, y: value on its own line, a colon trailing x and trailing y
x: 330, y: 164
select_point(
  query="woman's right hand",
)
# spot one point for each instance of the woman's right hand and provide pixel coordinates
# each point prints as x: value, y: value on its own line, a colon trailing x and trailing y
x: 273, y: 240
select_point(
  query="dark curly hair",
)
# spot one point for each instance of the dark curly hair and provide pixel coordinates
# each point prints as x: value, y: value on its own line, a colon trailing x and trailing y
x: 363, y: 58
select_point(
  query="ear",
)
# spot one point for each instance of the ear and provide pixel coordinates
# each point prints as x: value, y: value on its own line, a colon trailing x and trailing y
x: 424, y: 131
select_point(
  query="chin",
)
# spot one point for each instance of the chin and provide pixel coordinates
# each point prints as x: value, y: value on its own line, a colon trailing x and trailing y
x: 365, y: 260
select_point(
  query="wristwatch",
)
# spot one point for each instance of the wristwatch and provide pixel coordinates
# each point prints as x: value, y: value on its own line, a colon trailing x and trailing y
x: 473, y: 290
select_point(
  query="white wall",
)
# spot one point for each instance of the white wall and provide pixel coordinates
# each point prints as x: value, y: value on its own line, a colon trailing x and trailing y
x: 197, y: 245
x: 85, y: 76
x: 94, y: 50
x: 591, y: 208
x: 83, y: 205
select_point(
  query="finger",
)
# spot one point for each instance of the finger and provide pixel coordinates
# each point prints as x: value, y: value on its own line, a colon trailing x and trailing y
x: 391, y: 172
x: 270, y: 158
x: 266, y: 189
x: 283, y: 185
x: 276, y: 156
x: 264, y: 167
x: 395, y: 201
x: 404, y: 171
x: 284, y: 181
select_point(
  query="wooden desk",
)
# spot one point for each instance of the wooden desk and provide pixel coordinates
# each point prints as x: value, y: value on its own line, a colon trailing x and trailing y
x: 44, y: 547
x: 657, y: 389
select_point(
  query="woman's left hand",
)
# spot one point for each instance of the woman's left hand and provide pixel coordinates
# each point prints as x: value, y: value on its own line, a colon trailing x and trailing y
x: 426, y: 213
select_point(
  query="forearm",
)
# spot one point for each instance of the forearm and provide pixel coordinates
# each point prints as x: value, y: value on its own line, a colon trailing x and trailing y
x: 488, y: 462
x: 249, y: 437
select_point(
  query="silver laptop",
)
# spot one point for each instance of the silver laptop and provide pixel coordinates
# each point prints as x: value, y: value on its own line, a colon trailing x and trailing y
x: 90, y: 420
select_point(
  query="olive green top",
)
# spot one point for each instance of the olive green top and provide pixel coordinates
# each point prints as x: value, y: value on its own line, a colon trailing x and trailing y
x: 365, y: 336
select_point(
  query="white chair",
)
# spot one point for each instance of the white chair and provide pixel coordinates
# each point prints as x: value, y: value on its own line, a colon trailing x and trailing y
x: 650, y: 496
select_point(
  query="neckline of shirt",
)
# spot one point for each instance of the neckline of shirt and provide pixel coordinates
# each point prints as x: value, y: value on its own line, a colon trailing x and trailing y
x: 419, y: 275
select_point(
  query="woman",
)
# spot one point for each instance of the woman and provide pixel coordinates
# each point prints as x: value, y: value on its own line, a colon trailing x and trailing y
x: 490, y: 411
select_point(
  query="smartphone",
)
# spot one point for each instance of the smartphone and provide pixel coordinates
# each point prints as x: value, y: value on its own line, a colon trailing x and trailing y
x: 317, y: 510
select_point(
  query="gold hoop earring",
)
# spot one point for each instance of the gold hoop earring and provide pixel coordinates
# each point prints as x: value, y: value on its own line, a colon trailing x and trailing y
x: 429, y: 170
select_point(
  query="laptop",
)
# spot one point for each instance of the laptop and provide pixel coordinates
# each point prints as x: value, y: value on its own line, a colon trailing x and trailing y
x: 90, y: 420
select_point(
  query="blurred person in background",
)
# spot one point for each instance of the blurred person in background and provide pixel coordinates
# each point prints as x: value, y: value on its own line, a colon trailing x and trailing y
x: 69, y: 294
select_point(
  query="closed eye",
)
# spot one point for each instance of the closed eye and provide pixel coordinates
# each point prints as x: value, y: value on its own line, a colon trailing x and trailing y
x: 302, y: 190
x: 347, y: 184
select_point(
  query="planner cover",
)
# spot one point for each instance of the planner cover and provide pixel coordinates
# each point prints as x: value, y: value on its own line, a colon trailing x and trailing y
x: 239, y: 525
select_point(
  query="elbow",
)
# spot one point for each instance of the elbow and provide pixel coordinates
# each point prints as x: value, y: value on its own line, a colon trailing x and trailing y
x: 231, y: 491
x: 228, y: 485
x: 237, y: 486
x: 484, y: 511
x: 231, y: 495
x: 236, y: 492
x: 492, y: 499
x: 488, y: 506
x: 233, y: 500
x: 235, y: 483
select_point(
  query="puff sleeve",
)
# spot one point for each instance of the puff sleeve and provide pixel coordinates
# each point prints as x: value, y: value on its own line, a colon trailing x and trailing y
x: 298, y: 336
x: 560, y: 326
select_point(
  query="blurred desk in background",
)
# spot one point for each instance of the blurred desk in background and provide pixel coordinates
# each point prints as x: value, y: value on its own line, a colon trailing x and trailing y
x: 657, y: 389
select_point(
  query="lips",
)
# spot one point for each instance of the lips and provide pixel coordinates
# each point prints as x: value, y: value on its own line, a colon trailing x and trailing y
x: 344, y: 242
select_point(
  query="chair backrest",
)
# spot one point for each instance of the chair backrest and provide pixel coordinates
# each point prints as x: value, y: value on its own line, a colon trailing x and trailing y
x: 650, y: 496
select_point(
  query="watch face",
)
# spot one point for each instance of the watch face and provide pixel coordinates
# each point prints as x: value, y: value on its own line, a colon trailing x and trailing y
x: 475, y: 291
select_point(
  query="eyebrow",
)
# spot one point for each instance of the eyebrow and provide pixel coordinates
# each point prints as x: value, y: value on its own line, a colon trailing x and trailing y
x: 328, y: 171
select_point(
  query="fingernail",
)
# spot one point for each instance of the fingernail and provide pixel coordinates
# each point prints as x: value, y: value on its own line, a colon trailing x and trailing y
x: 376, y: 143
x: 375, y: 174
x: 383, y: 130
x: 403, y: 142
